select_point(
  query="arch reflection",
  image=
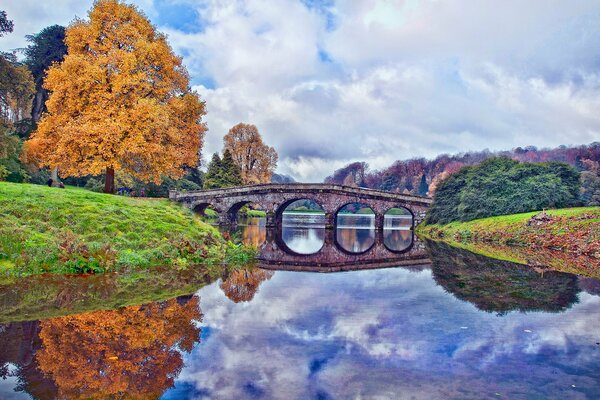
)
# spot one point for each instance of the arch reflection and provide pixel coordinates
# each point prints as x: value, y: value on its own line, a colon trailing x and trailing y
x: 303, y: 226
x: 398, y: 240
x: 355, y: 239
x: 355, y: 228
x: 303, y: 240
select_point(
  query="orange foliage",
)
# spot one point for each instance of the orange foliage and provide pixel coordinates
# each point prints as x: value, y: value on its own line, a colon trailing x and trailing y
x: 126, y: 353
x: 120, y: 100
x: 242, y: 285
x: 257, y: 160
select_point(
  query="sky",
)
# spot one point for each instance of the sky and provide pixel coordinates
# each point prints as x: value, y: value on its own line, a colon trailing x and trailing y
x: 332, y: 82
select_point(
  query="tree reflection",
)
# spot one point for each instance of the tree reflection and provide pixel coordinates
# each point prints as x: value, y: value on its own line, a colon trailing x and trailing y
x: 254, y: 234
x: 132, y: 352
x: 397, y: 239
x: 500, y: 286
x: 355, y: 240
x: 242, y: 285
x: 19, y: 342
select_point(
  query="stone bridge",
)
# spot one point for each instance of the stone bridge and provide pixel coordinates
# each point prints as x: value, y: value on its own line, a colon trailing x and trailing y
x: 276, y: 255
x: 275, y: 198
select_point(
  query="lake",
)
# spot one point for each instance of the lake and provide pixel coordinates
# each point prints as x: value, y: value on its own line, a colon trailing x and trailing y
x: 347, y: 313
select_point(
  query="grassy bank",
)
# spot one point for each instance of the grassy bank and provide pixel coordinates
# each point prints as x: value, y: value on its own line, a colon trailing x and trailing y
x: 74, y: 230
x: 572, y: 230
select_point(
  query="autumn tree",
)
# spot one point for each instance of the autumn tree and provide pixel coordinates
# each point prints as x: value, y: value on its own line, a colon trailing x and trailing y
x: 241, y: 285
x: 133, y: 352
x: 120, y: 100
x: 256, y: 160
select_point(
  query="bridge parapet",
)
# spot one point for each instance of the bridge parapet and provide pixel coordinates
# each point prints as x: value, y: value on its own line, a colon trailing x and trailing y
x: 274, y: 198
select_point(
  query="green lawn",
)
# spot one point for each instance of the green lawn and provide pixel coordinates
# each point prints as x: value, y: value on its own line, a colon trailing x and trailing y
x: 574, y: 230
x: 74, y: 230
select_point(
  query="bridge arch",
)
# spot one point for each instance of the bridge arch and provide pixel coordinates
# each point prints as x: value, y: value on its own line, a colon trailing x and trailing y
x: 285, y: 204
x: 233, y: 209
x: 402, y: 207
x: 391, y: 235
x: 364, y: 238
x: 200, y: 207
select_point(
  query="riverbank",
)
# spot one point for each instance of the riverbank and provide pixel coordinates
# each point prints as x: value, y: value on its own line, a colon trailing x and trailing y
x: 78, y: 231
x: 572, y: 230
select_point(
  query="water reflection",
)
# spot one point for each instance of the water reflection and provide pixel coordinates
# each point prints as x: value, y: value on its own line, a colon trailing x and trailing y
x: 398, y: 240
x: 305, y: 233
x: 131, y: 352
x: 242, y: 285
x: 467, y: 328
x: 464, y: 326
x: 355, y: 240
x: 500, y: 286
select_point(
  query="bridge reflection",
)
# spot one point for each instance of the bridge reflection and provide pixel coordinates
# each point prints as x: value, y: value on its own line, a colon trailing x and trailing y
x: 295, y: 247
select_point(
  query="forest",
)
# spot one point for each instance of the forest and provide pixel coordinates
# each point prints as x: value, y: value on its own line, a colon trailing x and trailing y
x: 422, y: 177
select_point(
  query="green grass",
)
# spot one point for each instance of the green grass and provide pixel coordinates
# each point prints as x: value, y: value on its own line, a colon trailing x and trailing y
x: 74, y: 230
x: 573, y: 230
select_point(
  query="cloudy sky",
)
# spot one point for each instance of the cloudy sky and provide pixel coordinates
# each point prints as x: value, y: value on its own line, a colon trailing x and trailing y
x: 384, y: 334
x: 331, y: 82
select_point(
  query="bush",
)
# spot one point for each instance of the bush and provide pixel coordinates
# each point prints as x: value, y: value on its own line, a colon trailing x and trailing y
x: 501, y: 186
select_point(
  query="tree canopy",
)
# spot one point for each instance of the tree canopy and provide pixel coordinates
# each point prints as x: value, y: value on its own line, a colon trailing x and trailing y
x: 256, y: 160
x: 500, y: 186
x: 46, y: 47
x: 120, y: 100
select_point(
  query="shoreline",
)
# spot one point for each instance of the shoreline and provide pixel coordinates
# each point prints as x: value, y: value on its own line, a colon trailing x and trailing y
x: 523, y: 238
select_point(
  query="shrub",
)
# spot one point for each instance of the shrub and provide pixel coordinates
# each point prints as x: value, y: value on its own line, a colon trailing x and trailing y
x: 500, y: 186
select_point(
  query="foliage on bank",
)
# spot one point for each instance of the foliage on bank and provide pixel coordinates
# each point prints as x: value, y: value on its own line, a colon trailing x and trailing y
x: 77, y: 231
x: 573, y: 230
x: 501, y: 186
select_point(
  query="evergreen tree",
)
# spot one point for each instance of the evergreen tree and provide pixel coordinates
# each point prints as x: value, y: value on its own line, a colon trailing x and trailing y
x: 423, y: 187
x: 231, y: 172
x: 46, y: 47
x: 212, y: 179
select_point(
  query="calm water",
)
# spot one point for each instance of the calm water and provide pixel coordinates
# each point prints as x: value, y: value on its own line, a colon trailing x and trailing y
x: 460, y: 326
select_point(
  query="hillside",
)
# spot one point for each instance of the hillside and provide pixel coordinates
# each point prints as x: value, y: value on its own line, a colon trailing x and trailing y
x: 421, y: 176
x: 76, y: 231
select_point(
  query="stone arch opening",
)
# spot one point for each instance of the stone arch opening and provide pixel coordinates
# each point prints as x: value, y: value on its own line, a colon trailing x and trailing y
x: 355, y: 228
x: 307, y: 207
x: 206, y: 210
x: 398, y: 229
x: 302, y: 223
x: 245, y: 209
x: 247, y: 223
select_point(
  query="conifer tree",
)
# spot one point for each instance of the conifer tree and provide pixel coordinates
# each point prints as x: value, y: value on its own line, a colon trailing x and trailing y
x: 423, y: 187
x: 213, y: 178
x: 232, y: 173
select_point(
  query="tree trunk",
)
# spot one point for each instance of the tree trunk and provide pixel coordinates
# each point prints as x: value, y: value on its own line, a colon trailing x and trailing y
x: 109, y: 181
x: 54, y: 176
x: 38, y: 106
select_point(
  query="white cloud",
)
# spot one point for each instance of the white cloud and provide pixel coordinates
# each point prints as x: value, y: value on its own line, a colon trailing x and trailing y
x: 378, y: 81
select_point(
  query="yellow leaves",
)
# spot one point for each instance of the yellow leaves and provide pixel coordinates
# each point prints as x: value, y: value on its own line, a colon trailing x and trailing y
x: 130, y: 352
x: 120, y: 100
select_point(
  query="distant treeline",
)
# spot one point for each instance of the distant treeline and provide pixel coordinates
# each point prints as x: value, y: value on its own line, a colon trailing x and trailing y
x: 421, y: 176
